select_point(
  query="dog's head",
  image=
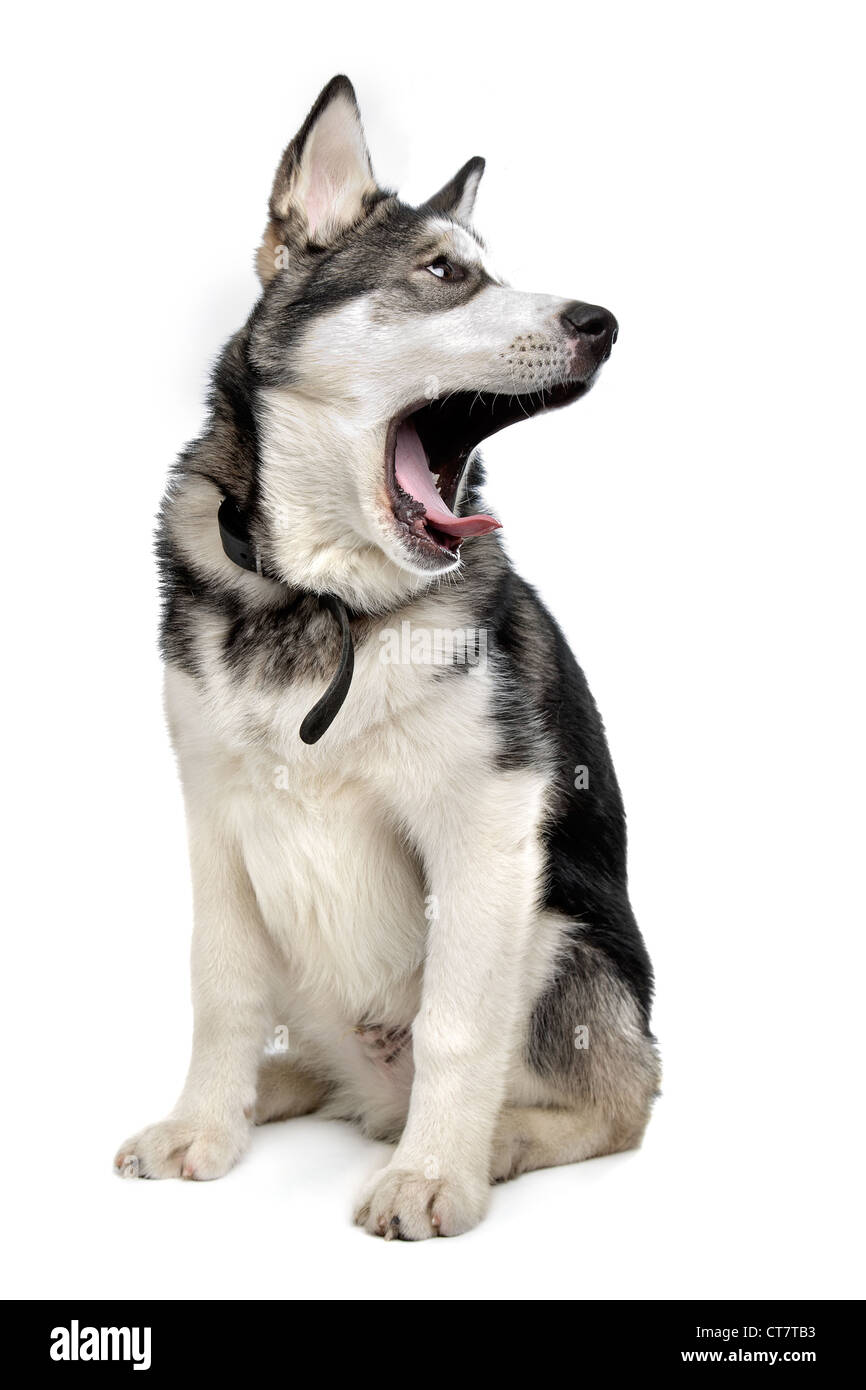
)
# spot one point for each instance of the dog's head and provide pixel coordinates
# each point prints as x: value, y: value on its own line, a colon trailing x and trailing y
x: 387, y: 350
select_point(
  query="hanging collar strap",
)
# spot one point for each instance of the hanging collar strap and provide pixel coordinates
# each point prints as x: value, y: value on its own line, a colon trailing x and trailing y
x: 243, y: 551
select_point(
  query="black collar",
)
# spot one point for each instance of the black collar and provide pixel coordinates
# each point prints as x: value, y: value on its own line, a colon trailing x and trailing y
x: 236, y: 539
x: 243, y: 551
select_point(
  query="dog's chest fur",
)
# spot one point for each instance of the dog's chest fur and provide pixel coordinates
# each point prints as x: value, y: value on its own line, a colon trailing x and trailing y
x: 336, y: 867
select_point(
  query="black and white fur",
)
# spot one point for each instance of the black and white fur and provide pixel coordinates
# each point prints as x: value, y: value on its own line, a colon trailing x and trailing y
x: 422, y: 910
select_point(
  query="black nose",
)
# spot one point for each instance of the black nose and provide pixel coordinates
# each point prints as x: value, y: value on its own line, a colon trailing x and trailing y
x: 596, y: 325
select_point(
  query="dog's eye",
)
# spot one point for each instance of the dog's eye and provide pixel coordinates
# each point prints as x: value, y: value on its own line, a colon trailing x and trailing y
x: 444, y: 269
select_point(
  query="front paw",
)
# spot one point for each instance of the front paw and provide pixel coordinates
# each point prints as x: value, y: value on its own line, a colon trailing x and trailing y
x: 182, y: 1148
x: 405, y: 1204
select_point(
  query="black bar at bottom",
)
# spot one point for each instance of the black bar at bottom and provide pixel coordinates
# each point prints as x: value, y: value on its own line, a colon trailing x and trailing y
x: 80, y: 1337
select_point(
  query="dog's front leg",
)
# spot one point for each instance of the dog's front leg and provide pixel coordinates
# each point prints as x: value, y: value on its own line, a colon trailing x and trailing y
x: 209, y: 1127
x: 482, y: 858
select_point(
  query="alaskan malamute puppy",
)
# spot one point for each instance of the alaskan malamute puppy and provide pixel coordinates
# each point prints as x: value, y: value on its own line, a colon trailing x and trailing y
x: 407, y: 840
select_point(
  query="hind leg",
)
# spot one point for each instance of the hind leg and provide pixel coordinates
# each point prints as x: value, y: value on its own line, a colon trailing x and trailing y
x: 534, y: 1136
x: 589, y: 1074
x: 284, y: 1090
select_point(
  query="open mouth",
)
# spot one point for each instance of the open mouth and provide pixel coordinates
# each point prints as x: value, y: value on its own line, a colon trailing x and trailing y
x: 427, y: 451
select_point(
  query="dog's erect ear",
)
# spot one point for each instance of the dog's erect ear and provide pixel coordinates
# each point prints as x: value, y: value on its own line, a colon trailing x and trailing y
x: 324, y: 183
x: 457, y: 198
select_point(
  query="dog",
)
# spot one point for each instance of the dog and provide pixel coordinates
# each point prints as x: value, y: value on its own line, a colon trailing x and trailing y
x: 407, y: 841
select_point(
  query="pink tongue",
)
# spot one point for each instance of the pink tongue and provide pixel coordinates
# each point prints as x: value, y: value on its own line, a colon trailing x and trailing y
x: 414, y: 477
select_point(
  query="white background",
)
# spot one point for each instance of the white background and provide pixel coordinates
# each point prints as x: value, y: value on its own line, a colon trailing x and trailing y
x: 693, y: 524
